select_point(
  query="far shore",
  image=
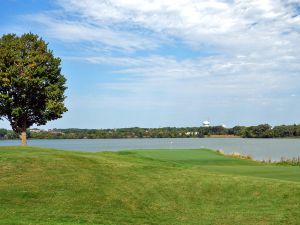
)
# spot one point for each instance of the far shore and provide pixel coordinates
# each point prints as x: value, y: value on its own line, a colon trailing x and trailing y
x: 207, y: 136
x: 222, y: 136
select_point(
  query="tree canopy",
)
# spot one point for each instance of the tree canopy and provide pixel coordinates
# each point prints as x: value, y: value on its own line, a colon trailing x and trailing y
x: 31, y: 84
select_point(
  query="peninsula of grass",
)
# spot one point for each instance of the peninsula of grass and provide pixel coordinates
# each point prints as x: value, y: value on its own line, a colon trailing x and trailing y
x: 168, y: 187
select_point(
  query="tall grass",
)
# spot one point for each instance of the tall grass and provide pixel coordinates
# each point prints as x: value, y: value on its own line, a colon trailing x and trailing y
x: 295, y: 161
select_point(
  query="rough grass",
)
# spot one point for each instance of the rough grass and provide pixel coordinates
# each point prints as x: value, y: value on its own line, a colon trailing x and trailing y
x: 44, y: 186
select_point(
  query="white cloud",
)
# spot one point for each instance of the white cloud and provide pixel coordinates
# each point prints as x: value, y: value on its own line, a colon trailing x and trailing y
x: 218, y: 22
x: 79, y: 31
x: 199, y: 80
x: 229, y: 27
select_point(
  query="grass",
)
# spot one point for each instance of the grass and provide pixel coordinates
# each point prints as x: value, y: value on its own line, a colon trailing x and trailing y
x: 47, y: 187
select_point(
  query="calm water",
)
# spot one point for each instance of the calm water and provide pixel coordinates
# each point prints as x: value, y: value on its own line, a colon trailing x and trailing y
x: 257, y: 148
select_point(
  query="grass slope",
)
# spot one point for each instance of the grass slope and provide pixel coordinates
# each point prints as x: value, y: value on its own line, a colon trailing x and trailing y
x: 44, y: 186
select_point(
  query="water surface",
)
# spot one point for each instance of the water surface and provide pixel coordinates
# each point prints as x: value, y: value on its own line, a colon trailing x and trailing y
x: 258, y: 148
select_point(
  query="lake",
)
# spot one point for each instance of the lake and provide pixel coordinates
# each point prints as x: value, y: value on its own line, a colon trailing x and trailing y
x: 259, y: 149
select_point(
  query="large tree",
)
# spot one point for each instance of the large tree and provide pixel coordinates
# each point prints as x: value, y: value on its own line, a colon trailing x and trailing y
x: 31, y: 84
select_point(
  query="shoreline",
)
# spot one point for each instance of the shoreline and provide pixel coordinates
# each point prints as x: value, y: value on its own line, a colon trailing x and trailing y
x: 136, y: 138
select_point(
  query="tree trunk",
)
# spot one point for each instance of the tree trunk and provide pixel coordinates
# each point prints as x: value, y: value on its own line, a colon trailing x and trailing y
x: 23, y: 137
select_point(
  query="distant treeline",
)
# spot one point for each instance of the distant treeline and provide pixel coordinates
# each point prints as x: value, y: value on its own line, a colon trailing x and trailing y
x: 260, y: 131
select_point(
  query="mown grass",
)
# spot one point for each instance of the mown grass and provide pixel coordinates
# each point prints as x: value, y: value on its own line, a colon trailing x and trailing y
x: 44, y: 186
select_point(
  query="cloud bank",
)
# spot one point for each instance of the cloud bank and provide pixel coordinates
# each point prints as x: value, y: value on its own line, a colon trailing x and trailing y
x: 241, y: 54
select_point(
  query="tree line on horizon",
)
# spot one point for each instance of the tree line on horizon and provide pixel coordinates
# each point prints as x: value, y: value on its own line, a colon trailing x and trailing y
x: 259, y: 131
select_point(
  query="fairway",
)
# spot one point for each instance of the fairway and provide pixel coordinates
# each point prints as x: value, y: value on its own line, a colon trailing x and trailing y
x: 212, y: 161
x: 46, y: 186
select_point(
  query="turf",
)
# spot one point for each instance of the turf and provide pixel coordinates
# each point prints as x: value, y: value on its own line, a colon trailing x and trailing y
x: 44, y: 186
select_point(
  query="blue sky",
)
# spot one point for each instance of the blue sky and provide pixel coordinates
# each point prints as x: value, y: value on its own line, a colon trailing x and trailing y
x: 155, y: 63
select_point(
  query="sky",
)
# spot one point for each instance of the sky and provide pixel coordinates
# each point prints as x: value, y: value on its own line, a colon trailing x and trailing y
x: 157, y: 63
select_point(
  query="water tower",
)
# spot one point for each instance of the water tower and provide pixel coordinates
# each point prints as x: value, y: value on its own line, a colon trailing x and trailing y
x: 206, y: 123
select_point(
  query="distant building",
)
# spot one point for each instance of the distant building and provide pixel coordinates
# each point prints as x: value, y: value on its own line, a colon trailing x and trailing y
x: 35, y: 130
x: 189, y: 133
x: 206, y: 123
